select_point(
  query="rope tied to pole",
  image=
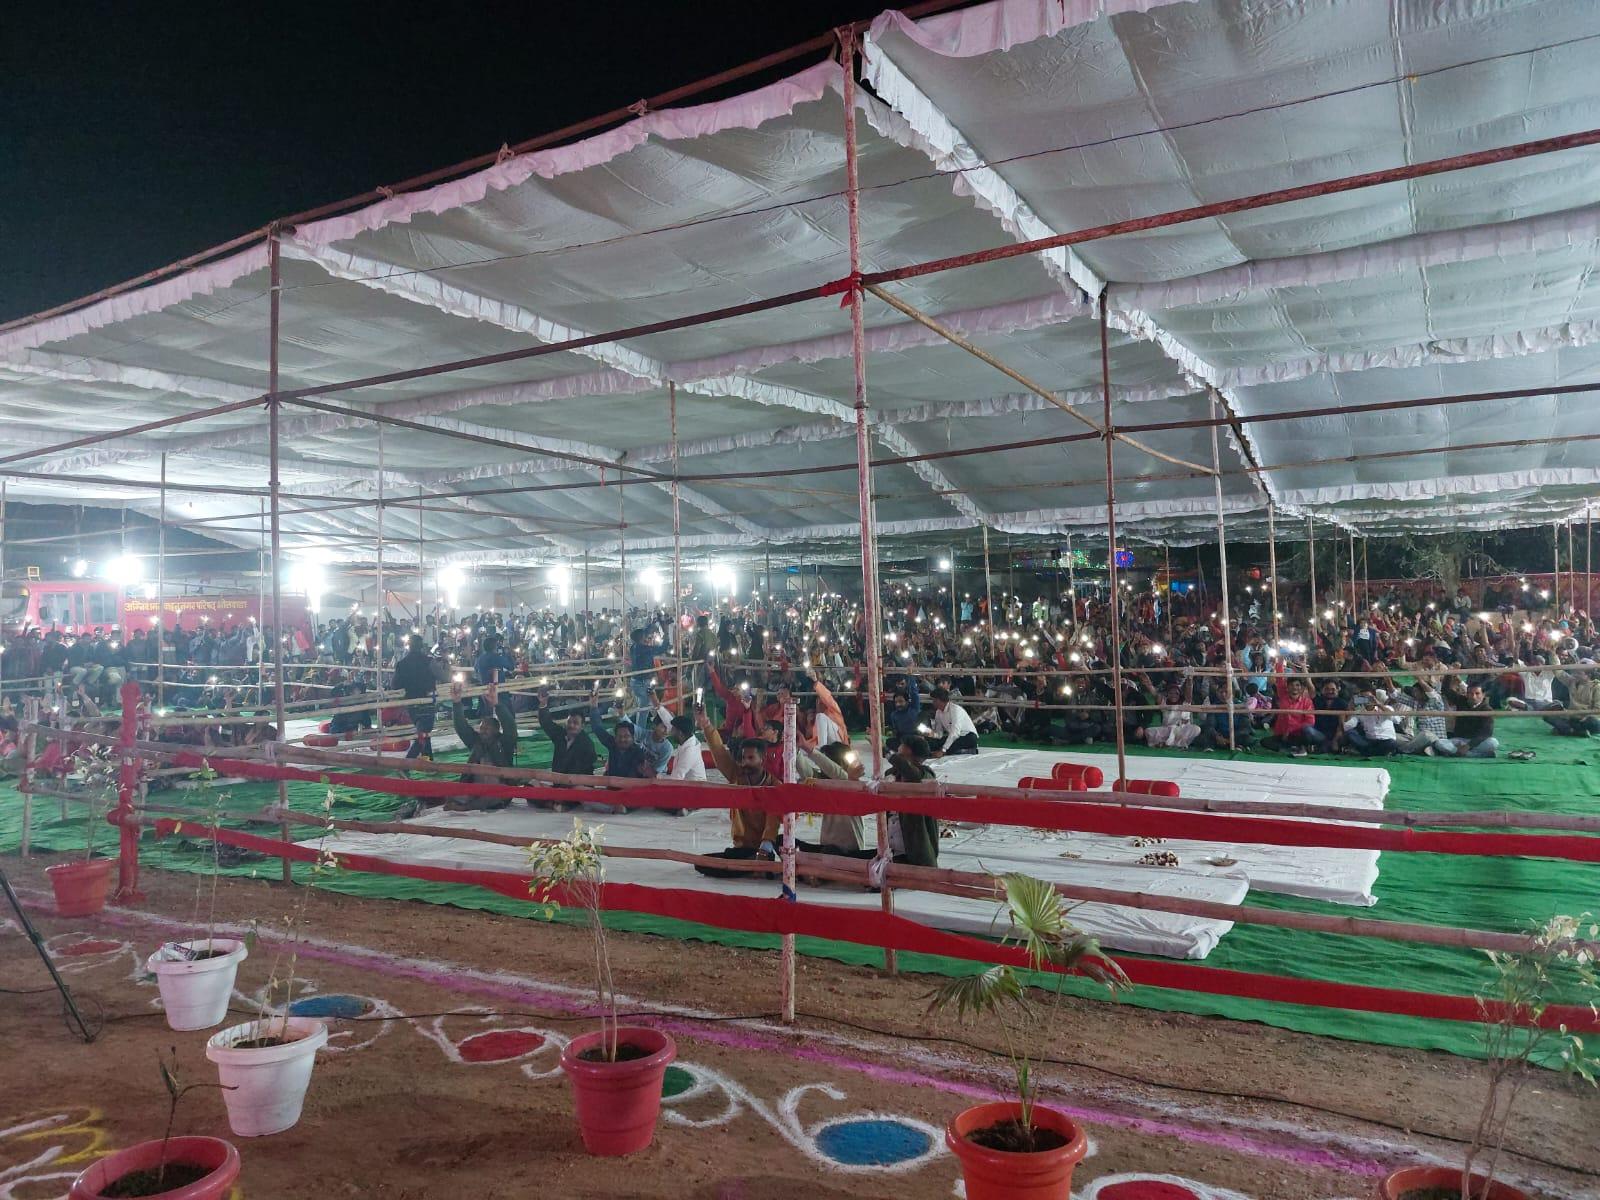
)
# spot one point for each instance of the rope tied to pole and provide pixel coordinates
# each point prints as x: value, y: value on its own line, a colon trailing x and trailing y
x: 639, y: 107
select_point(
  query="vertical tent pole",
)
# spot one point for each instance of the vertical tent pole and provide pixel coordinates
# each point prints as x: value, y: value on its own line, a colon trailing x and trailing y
x: 767, y: 550
x: 261, y: 600
x: 1011, y: 574
x: 677, y: 552
x: 274, y: 318
x: 955, y: 613
x: 1222, y: 569
x: 1166, y: 601
x: 161, y: 588
x: 1272, y: 567
x: 1072, y: 584
x: 1588, y: 562
x: 869, y: 558
x: 1108, y: 437
x: 1555, y: 566
x: 3, y: 486
x: 422, y: 587
x: 1311, y: 558
x: 586, y: 582
x: 790, y: 775
x: 1572, y: 571
x: 988, y: 588
x: 383, y: 607
x: 1354, y: 600
x: 622, y: 567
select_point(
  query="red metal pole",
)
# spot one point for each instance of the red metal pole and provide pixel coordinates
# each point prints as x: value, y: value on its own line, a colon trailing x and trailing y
x: 1111, y: 545
x: 146, y: 427
x: 274, y: 321
x: 1012, y: 250
x: 869, y: 552
x: 127, y: 787
x: 1222, y: 208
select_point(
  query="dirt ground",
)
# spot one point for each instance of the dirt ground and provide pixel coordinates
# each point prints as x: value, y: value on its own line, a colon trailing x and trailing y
x: 411, y: 1102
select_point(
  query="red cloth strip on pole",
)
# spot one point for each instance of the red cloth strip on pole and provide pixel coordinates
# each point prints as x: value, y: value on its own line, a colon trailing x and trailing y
x: 867, y: 927
x: 1035, y: 814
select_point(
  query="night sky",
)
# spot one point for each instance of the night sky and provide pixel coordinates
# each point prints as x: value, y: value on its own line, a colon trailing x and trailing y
x: 133, y: 134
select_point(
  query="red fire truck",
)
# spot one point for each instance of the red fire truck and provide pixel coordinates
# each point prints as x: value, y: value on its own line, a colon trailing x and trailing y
x: 83, y: 605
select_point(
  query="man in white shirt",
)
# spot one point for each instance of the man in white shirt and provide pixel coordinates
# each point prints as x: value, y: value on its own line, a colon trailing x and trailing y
x: 688, y: 761
x: 952, y: 726
x: 1371, y: 731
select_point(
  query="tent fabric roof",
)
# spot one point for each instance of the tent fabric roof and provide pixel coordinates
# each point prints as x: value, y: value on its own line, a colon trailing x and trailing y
x: 1010, y: 120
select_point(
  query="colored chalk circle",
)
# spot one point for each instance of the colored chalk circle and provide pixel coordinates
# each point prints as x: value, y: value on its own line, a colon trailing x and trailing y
x: 499, y: 1046
x: 80, y: 949
x: 872, y: 1142
x: 1145, y: 1189
x: 332, y: 1005
x: 676, y: 1082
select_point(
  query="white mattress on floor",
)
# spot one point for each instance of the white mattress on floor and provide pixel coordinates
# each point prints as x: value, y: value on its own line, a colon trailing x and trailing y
x: 998, y: 851
x: 1339, y: 876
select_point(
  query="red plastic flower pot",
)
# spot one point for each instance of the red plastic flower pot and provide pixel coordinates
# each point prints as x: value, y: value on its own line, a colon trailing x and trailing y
x: 80, y: 887
x: 618, y: 1102
x: 218, y: 1157
x: 1412, y: 1179
x: 1004, y: 1175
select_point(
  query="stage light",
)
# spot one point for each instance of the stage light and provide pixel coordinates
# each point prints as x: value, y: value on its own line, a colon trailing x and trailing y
x: 79, y: 568
x: 124, y: 570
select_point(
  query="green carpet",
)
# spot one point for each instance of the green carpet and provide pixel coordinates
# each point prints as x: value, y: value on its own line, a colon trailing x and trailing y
x: 1484, y: 893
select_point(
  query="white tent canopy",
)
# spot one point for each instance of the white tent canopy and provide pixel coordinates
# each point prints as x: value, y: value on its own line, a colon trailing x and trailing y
x: 1012, y: 120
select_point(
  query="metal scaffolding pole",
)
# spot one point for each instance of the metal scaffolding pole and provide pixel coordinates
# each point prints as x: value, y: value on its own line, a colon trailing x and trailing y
x: 622, y: 566
x: 1166, y: 601
x: 1572, y: 571
x: 422, y: 585
x: 1111, y: 546
x: 1355, y: 601
x: 1366, y: 574
x: 274, y: 319
x: 261, y: 602
x: 677, y: 553
x: 1222, y: 569
x: 988, y: 588
x: 1072, y: 584
x: 161, y: 588
x: 1311, y: 558
x: 1588, y: 563
x: 381, y: 616
x: 1555, y: 566
x: 1272, y: 567
x: 869, y: 553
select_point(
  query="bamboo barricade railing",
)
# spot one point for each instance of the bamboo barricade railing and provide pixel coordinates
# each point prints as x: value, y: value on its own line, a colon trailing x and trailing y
x: 961, y: 884
x: 1495, y: 819
x: 364, y: 702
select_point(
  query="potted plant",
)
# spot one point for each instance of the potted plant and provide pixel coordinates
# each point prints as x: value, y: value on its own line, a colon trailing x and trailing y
x: 1514, y: 1046
x: 81, y: 887
x: 266, y: 1063
x: 1013, y: 1149
x: 181, y: 1168
x: 196, y: 977
x: 616, y: 1072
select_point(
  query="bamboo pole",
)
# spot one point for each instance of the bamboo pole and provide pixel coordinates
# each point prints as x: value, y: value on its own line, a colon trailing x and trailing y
x: 1555, y: 566
x: 786, y: 979
x: 869, y: 550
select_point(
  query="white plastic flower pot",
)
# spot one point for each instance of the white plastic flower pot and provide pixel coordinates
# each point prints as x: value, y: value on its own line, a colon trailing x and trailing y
x: 265, y: 1086
x: 195, y: 991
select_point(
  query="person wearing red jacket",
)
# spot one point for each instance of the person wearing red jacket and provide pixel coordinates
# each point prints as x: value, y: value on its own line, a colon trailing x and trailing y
x: 742, y: 722
x: 1295, y: 727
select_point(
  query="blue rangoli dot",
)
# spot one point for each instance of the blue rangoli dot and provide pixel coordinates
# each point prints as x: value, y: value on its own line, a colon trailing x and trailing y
x: 330, y: 1006
x: 872, y: 1143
